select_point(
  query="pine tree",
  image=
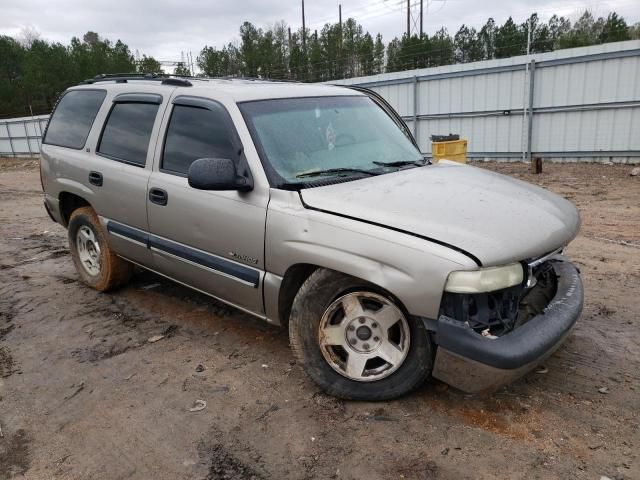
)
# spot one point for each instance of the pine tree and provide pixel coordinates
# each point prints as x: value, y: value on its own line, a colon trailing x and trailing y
x: 148, y: 65
x: 615, y: 29
x: 510, y: 40
x: 378, y: 55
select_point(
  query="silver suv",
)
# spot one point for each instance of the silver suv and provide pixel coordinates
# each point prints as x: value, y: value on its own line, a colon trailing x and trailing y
x: 311, y: 207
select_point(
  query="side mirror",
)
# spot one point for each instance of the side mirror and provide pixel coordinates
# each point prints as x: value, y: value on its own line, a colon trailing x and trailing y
x: 217, y: 174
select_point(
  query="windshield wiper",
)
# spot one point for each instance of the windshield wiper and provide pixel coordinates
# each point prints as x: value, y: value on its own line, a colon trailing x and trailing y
x: 402, y: 163
x: 329, y: 171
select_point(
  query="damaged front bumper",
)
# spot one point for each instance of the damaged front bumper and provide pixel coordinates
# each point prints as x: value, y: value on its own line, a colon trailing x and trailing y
x: 475, y: 363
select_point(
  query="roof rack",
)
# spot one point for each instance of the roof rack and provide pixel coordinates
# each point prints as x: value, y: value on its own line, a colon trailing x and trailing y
x: 254, y: 79
x: 176, y: 80
x: 125, y: 77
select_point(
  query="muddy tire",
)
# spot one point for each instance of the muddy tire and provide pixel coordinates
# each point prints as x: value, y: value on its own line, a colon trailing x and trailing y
x: 356, y: 341
x: 96, y: 264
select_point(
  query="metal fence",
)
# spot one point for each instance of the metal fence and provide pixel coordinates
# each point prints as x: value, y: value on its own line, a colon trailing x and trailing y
x: 22, y: 136
x: 580, y: 104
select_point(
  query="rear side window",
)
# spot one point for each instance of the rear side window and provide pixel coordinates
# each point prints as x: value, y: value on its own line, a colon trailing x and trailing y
x: 127, y: 132
x: 73, y: 117
x: 194, y: 133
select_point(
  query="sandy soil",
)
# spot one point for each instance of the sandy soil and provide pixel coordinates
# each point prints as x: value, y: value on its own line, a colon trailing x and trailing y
x: 84, y: 395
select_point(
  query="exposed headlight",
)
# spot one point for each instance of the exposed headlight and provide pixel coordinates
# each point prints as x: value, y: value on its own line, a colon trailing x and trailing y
x: 485, y: 279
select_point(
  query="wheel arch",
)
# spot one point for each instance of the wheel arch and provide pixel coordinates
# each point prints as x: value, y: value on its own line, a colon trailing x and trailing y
x: 69, y: 202
x: 297, y: 274
x: 292, y: 280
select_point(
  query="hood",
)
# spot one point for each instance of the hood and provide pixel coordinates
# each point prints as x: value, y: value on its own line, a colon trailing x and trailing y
x: 495, y: 218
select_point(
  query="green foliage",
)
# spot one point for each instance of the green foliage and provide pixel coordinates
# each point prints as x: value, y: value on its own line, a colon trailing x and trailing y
x: 467, y: 45
x: 378, y: 55
x: 506, y: 40
x: 614, y: 29
x: 182, y: 70
x: 219, y: 63
x: 510, y: 40
x: 487, y: 38
x: 332, y: 53
x: 33, y: 76
x: 148, y: 65
x: 34, y: 72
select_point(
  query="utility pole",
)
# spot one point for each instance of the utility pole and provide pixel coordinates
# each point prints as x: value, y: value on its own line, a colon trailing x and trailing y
x: 304, y: 28
x: 421, y: 15
x: 289, y: 30
x: 340, y: 23
x: 528, y: 35
x: 526, y: 119
x: 408, y: 18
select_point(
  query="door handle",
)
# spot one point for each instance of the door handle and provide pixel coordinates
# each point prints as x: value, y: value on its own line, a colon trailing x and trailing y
x: 158, y: 196
x: 95, y: 178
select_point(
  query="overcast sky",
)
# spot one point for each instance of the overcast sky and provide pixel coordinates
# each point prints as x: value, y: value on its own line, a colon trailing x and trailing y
x: 165, y: 28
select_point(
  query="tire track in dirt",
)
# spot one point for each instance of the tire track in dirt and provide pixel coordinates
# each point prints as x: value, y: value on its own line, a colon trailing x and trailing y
x: 130, y: 416
x: 14, y: 455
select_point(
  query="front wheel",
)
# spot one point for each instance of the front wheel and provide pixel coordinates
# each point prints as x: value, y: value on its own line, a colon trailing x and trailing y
x: 355, y: 341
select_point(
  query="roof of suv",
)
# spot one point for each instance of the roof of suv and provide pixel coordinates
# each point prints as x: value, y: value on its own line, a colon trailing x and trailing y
x: 239, y: 90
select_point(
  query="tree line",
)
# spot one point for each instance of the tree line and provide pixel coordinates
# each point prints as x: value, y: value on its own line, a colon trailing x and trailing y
x: 33, y: 71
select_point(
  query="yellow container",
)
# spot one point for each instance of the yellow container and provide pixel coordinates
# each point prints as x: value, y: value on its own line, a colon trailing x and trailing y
x: 455, y: 150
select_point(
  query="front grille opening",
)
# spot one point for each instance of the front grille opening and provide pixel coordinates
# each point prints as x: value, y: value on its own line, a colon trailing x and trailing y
x: 500, y: 312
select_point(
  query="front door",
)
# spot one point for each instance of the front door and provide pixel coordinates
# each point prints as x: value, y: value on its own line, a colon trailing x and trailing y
x: 210, y: 240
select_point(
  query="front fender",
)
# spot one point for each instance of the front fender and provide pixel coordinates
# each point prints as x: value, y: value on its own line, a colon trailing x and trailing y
x: 412, y: 269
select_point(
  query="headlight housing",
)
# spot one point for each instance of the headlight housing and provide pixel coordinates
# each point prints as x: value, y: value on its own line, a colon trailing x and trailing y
x: 485, y: 279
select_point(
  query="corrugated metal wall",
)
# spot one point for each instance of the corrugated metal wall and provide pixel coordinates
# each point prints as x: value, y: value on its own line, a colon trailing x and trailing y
x: 579, y: 104
x: 22, y: 136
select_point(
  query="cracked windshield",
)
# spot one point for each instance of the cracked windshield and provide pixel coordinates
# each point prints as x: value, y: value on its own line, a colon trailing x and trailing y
x: 314, y: 137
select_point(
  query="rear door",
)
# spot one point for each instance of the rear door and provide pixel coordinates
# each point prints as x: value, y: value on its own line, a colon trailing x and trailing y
x: 210, y: 240
x: 120, y: 166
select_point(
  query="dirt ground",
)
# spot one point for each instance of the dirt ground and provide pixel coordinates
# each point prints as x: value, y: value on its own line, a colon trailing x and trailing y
x: 84, y: 395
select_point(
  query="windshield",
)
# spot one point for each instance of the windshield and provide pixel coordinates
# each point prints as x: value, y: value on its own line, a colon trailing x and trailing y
x: 327, y: 136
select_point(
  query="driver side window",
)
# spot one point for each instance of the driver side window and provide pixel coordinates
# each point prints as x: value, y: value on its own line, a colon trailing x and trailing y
x: 193, y: 133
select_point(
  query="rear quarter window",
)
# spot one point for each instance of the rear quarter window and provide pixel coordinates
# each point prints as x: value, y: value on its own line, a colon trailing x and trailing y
x: 73, y: 117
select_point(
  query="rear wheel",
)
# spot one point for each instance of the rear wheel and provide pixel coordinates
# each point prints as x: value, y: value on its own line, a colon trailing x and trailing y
x: 355, y: 341
x: 96, y: 264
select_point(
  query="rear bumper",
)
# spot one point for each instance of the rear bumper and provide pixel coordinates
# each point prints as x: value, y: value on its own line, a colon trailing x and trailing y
x: 473, y: 363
